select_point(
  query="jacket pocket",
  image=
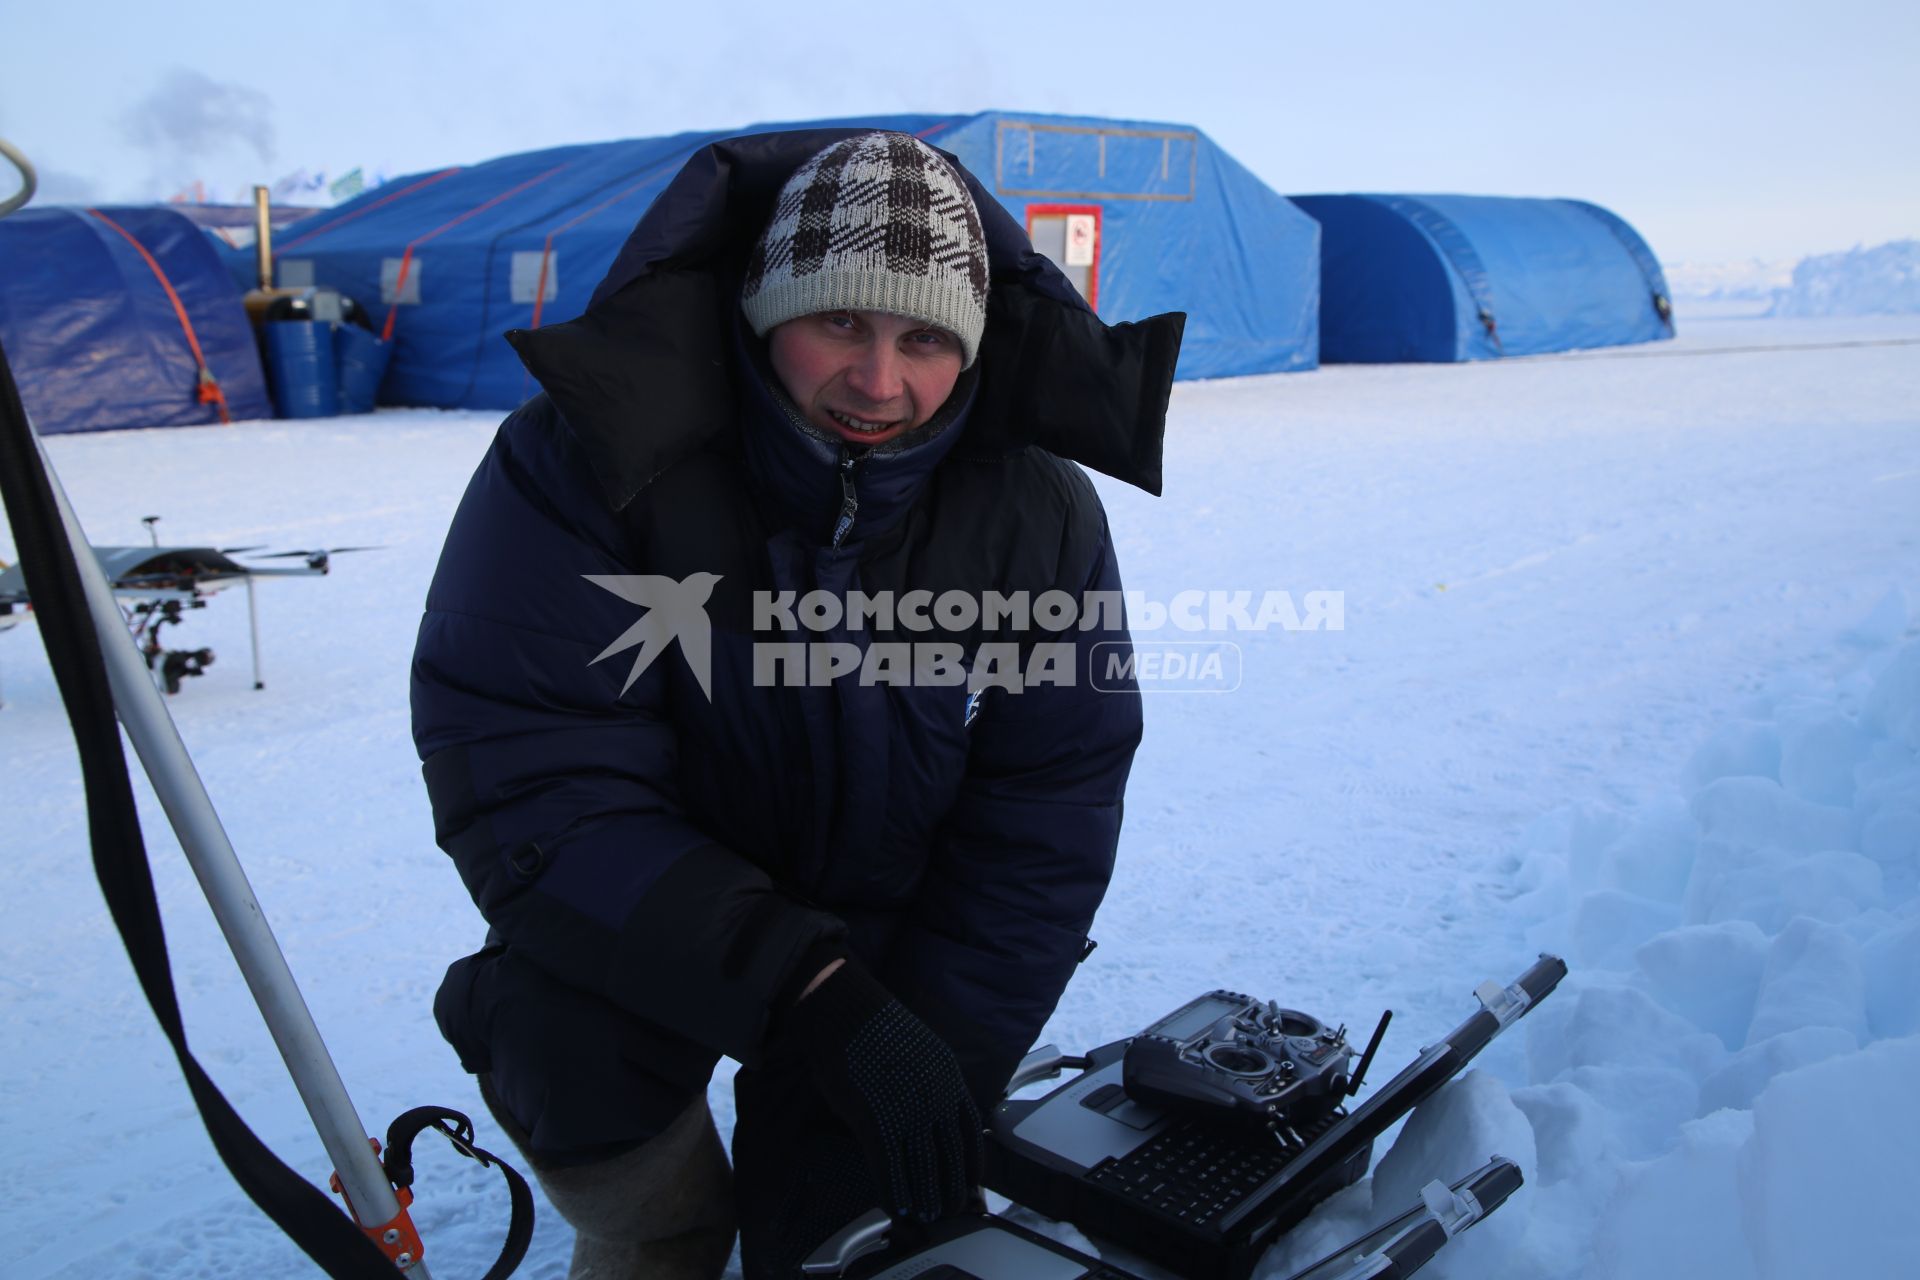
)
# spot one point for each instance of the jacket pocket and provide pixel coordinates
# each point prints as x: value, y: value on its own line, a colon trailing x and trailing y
x: 454, y: 1009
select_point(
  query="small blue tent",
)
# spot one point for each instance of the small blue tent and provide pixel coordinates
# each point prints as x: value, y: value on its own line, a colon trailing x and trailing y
x: 95, y: 340
x: 1447, y: 278
x: 1144, y: 217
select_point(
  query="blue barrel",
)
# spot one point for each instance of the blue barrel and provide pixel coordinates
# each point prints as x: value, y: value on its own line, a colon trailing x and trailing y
x: 362, y: 361
x: 300, y: 364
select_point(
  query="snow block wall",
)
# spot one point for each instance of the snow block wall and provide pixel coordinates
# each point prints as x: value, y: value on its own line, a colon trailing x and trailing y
x: 1729, y: 1086
x: 1728, y: 1083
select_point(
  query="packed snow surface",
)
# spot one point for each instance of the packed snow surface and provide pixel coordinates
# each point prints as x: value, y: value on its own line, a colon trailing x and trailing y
x: 1628, y: 672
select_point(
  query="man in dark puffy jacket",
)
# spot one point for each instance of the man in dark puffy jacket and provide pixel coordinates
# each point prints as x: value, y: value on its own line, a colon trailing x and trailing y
x: 827, y: 394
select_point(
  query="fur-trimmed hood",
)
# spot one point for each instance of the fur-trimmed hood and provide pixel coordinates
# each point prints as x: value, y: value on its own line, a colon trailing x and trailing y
x: 647, y: 376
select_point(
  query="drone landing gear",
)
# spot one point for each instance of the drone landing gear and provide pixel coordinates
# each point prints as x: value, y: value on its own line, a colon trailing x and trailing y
x: 253, y: 629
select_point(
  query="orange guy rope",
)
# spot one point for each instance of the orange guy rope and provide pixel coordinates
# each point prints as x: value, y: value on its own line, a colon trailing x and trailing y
x: 546, y: 250
x: 208, y: 390
x: 406, y: 256
x: 540, y: 289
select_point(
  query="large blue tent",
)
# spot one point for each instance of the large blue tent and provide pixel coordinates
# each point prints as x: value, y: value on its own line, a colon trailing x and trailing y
x: 1145, y: 217
x: 101, y: 313
x: 1411, y: 278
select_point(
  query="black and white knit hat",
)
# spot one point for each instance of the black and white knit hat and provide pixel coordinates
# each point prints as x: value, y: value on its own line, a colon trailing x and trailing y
x: 877, y: 222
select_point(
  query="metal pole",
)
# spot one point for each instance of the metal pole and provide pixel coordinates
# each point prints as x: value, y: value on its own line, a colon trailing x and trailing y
x: 156, y: 739
x: 263, y: 237
x: 253, y: 626
x: 29, y: 182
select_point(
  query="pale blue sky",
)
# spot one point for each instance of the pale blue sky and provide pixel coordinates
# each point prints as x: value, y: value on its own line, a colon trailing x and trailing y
x: 1722, y: 130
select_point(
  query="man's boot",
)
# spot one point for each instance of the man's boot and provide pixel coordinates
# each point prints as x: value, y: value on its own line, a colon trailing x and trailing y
x: 661, y: 1211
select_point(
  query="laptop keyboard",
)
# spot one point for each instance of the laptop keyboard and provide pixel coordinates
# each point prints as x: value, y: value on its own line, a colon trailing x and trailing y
x: 1191, y: 1174
x: 1195, y: 1173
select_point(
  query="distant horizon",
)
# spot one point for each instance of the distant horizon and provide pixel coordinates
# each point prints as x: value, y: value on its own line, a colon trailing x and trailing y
x: 1723, y: 132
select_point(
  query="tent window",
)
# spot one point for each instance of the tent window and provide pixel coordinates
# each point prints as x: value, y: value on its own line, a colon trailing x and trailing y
x: 1084, y: 162
x: 390, y: 291
x: 525, y: 282
x: 1069, y: 234
x: 295, y: 273
x: 1014, y: 150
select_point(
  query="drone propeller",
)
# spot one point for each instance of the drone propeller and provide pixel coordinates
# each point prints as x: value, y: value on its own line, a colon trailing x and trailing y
x: 316, y: 558
x: 322, y: 551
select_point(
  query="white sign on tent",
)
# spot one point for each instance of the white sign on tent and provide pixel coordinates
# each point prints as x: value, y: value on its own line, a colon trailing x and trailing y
x: 1080, y: 240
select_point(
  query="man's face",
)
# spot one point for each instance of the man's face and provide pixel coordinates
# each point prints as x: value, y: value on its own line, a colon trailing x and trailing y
x: 865, y: 376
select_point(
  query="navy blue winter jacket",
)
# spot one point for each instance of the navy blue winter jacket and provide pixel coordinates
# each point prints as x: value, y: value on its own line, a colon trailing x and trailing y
x: 655, y: 863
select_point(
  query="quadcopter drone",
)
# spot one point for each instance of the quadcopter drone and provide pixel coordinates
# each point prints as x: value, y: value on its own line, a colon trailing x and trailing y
x: 156, y: 585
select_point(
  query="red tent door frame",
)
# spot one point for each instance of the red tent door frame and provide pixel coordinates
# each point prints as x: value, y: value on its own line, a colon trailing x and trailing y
x: 1067, y: 249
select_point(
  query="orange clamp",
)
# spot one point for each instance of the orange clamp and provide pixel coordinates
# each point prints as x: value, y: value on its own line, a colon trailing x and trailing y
x: 397, y: 1236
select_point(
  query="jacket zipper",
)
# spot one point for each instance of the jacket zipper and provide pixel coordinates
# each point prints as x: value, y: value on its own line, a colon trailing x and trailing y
x: 849, y: 500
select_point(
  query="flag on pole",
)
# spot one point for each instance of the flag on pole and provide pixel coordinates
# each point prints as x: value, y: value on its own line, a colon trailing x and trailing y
x: 348, y: 184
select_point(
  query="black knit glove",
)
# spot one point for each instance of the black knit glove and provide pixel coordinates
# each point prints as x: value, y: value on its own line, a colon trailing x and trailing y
x: 898, y: 1087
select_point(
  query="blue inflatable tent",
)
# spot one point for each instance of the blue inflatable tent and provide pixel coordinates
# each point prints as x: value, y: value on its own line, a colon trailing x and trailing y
x: 1145, y: 218
x: 1408, y: 278
x: 102, y: 312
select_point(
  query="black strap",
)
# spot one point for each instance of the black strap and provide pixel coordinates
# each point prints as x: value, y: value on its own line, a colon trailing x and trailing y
x: 457, y: 1129
x: 313, y: 1221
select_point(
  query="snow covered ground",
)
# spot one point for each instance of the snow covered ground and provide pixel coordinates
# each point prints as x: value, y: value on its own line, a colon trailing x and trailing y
x: 1628, y: 672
